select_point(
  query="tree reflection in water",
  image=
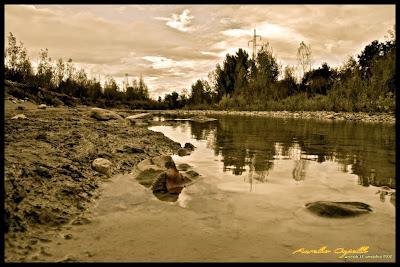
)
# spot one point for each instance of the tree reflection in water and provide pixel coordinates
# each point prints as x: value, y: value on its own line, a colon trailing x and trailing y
x: 253, y: 144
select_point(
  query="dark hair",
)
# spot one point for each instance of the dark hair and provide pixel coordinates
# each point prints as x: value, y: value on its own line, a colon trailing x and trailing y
x: 170, y: 165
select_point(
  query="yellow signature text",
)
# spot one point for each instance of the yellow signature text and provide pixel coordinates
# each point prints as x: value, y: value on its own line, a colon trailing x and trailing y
x: 340, y: 251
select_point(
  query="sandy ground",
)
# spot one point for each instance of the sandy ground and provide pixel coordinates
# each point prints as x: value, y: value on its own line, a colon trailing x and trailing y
x: 49, y: 181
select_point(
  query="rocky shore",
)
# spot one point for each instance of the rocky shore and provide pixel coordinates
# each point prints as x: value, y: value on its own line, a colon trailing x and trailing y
x: 388, y: 118
x: 49, y: 177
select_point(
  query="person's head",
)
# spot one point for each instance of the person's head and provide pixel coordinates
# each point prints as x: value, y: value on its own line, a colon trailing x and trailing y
x: 170, y: 165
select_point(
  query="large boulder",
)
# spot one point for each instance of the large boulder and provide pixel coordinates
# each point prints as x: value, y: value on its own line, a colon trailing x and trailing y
x: 338, y: 209
x: 104, y: 114
x: 102, y: 165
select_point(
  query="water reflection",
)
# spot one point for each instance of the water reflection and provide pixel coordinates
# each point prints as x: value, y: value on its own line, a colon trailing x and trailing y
x: 254, y: 145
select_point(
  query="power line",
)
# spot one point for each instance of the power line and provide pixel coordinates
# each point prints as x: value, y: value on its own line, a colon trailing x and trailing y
x: 254, y: 41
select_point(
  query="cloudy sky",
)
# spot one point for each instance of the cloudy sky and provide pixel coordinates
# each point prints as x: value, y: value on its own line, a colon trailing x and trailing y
x: 174, y: 45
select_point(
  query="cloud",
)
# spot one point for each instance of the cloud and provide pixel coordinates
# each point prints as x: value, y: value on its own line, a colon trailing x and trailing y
x: 180, y: 22
x: 154, y: 40
x: 236, y: 32
x: 159, y: 62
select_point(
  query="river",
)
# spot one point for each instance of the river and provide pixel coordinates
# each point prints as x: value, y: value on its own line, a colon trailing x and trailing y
x: 248, y: 205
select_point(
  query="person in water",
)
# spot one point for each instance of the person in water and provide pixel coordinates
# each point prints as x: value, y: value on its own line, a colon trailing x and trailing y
x: 170, y: 181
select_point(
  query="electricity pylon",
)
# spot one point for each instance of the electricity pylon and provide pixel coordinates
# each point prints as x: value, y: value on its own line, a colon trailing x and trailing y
x: 254, y: 40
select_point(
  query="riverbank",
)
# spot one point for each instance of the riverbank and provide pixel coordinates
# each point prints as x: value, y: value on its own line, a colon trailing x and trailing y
x: 49, y: 181
x: 388, y: 118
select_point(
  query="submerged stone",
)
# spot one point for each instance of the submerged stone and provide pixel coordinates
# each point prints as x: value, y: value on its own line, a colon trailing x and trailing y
x: 183, y: 167
x: 189, y: 146
x: 338, y: 209
x: 183, y: 152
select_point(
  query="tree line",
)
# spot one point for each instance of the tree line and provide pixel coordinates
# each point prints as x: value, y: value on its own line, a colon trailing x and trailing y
x: 365, y: 83
x: 63, y: 77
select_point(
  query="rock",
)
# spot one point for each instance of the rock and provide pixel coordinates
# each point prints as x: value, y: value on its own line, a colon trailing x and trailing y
x: 42, y: 106
x: 387, y: 191
x: 183, y: 152
x: 189, y: 146
x: 131, y: 150
x: 138, y: 119
x: 43, y: 171
x: 19, y: 116
x: 202, y: 119
x: 338, y: 209
x: 184, y: 167
x: 102, y: 165
x: 191, y: 174
x: 71, y: 171
x: 151, y: 169
x: 148, y: 164
x: 163, y: 161
x: 20, y: 108
x: 104, y: 114
x: 104, y: 154
x: 81, y: 221
x: 147, y: 177
x: 68, y: 236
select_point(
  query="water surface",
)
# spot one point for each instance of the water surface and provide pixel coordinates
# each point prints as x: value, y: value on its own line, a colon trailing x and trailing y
x: 257, y: 174
x: 271, y: 167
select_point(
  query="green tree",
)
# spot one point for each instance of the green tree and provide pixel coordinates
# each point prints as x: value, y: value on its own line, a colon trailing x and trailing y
x: 201, y: 93
x: 60, y: 71
x: 110, y: 90
x: 172, y: 100
x: 289, y: 80
x: 143, y: 89
x: 264, y: 75
x: 319, y: 81
x: 45, y: 71
x: 241, y: 69
x: 367, y: 56
x: 18, y: 65
x: 130, y: 93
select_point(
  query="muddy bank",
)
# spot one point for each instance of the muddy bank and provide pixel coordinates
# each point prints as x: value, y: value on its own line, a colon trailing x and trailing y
x: 321, y: 115
x: 49, y: 180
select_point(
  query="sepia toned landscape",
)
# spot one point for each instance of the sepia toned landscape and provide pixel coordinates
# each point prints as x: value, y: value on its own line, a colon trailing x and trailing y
x: 200, y: 133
